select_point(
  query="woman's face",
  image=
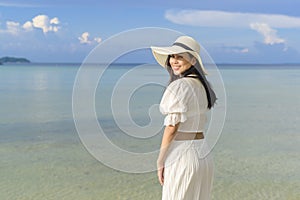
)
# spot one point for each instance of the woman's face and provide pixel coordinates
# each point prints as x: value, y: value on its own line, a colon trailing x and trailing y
x: 180, y: 62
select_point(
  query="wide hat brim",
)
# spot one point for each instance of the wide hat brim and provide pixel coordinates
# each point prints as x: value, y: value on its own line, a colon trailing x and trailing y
x: 161, y: 54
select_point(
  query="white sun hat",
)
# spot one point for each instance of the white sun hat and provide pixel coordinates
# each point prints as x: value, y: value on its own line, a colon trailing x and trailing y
x: 183, y: 44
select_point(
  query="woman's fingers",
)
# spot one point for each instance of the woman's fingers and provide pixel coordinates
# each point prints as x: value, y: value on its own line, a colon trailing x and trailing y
x: 160, y: 174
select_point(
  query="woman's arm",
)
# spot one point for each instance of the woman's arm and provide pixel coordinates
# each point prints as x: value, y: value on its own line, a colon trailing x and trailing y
x: 169, y: 134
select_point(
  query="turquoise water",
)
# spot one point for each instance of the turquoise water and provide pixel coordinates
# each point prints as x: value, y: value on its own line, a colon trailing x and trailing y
x: 42, y: 157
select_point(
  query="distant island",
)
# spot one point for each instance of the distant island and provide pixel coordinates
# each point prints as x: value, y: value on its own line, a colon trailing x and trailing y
x: 7, y: 59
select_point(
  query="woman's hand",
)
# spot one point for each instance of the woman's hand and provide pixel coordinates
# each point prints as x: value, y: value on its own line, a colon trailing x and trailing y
x: 160, y: 174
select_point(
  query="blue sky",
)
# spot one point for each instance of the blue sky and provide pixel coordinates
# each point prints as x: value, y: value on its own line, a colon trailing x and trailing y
x: 232, y: 31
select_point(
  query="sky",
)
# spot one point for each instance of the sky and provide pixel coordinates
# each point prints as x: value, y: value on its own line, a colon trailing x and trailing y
x: 232, y: 31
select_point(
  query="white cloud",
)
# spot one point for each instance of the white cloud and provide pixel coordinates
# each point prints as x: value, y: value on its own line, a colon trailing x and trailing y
x: 55, y: 20
x: 229, y: 19
x: 43, y: 22
x: 27, y: 26
x: 13, y: 27
x: 270, y: 35
x: 84, y: 38
x: 98, y: 39
x: 55, y: 28
x: 38, y: 22
x: 234, y: 49
x: 245, y: 50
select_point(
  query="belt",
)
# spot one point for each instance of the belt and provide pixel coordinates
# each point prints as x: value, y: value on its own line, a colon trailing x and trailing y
x: 189, y: 136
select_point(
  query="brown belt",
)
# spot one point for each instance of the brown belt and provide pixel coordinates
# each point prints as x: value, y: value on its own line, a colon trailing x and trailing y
x: 189, y: 136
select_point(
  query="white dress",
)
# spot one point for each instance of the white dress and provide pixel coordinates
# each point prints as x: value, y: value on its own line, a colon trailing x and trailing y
x: 188, y: 173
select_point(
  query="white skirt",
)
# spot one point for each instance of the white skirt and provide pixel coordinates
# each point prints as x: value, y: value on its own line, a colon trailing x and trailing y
x: 188, y: 173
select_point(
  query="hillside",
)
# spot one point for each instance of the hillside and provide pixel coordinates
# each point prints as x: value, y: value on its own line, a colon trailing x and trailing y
x: 7, y: 59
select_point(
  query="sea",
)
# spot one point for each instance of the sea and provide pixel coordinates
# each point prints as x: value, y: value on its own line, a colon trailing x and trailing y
x: 45, y: 155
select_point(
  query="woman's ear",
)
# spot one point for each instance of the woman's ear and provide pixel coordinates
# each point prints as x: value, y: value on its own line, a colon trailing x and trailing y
x: 193, y: 61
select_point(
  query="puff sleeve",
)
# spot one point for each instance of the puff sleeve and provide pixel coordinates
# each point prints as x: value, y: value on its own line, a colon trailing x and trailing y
x: 174, y: 103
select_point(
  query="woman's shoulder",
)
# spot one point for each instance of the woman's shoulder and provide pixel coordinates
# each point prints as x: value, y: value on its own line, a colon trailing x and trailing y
x: 177, y: 85
x: 185, y: 82
x: 181, y: 82
x: 183, y: 87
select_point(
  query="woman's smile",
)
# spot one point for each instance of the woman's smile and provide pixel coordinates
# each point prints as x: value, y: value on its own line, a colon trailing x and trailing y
x: 176, y: 68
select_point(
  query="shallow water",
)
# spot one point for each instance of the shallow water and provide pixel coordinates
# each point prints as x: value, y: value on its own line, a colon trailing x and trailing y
x: 42, y: 157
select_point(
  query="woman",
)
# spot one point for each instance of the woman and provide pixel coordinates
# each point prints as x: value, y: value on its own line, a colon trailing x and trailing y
x: 185, y: 167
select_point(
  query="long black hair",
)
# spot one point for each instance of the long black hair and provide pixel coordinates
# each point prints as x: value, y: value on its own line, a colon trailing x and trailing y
x: 197, y: 73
